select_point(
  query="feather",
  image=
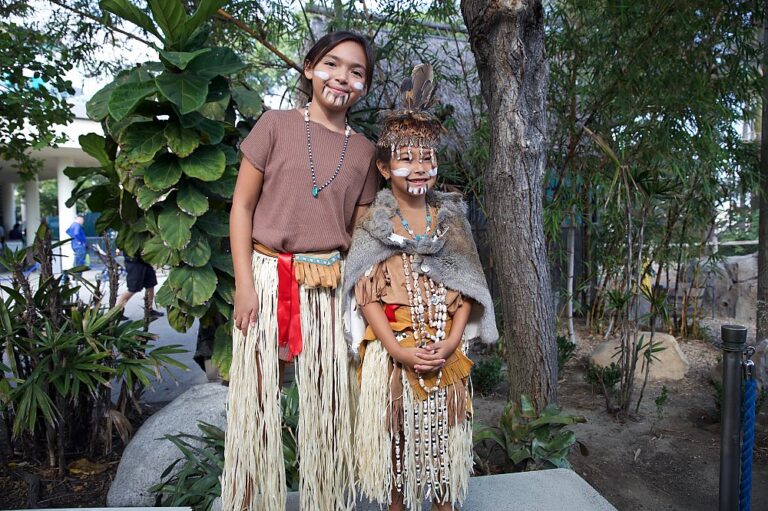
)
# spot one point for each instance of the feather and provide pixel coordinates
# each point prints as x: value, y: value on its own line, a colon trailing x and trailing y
x: 417, y: 91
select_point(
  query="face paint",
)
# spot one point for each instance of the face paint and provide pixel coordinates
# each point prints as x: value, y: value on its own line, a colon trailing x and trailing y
x: 432, y: 172
x: 335, y: 98
x: 417, y: 190
x: 401, y: 172
x: 322, y: 75
x: 358, y: 86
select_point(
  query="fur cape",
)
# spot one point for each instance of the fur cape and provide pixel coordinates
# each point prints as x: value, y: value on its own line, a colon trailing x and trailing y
x: 452, y: 259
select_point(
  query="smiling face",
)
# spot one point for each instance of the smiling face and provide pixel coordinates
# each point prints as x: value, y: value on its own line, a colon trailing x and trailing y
x: 338, y: 77
x: 413, y: 170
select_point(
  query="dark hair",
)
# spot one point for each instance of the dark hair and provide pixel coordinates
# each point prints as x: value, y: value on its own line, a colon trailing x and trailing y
x: 329, y: 42
x: 383, y: 154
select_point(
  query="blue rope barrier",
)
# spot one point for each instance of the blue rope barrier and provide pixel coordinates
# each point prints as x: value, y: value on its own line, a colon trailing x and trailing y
x: 749, y: 399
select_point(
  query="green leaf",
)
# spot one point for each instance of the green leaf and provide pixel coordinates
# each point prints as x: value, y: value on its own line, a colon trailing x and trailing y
x: 248, y: 102
x: 179, y: 320
x: 142, y: 140
x: 222, y: 350
x: 126, y: 10
x: 214, y: 223
x: 193, y: 285
x: 163, y: 173
x: 185, y: 90
x: 205, y: 10
x: 165, y: 297
x: 222, y: 261
x: 155, y: 252
x: 216, y: 110
x: 219, y: 61
x: 190, y: 200
x: 211, y: 132
x: 207, y: 163
x: 146, y: 197
x: 97, y: 108
x: 95, y: 145
x: 181, y: 141
x: 223, y: 187
x: 130, y: 241
x: 198, y: 252
x: 174, y: 226
x: 180, y: 59
x: 170, y: 17
x: 125, y: 97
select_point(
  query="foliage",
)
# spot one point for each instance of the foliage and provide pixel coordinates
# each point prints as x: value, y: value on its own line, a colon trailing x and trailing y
x: 168, y: 163
x: 487, y: 374
x: 565, y: 351
x: 603, y: 377
x: 197, y: 483
x: 63, y: 357
x: 530, y: 441
x: 661, y: 401
x: 33, y: 89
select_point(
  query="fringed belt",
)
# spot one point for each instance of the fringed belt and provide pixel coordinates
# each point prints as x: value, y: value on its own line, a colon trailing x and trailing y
x: 311, y: 270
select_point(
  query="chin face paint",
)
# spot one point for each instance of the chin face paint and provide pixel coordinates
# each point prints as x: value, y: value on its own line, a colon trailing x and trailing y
x: 334, y: 97
x: 417, y: 190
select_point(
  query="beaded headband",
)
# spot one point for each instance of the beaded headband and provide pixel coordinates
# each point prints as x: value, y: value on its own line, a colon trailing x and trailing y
x: 412, y: 124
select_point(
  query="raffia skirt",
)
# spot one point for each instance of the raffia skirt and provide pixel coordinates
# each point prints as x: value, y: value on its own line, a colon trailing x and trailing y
x: 420, y: 447
x: 254, y: 473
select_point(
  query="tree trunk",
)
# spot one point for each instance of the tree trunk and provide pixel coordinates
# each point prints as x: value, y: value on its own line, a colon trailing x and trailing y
x: 762, y: 247
x: 507, y: 39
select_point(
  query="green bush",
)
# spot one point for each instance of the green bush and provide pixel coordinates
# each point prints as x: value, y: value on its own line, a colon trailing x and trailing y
x: 565, y: 351
x: 604, y: 378
x: 530, y: 441
x: 487, y: 375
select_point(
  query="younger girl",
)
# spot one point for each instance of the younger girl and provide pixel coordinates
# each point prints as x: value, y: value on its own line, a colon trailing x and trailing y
x: 414, y: 274
x: 304, y: 178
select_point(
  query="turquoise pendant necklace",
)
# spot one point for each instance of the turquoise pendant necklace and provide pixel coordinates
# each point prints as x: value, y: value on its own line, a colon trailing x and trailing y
x: 347, y: 131
x: 408, y: 229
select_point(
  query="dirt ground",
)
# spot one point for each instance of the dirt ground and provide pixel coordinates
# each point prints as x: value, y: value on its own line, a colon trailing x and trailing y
x: 644, y: 463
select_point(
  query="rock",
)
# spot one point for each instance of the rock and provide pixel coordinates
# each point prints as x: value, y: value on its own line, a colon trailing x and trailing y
x: 671, y: 363
x: 760, y: 358
x: 148, y: 454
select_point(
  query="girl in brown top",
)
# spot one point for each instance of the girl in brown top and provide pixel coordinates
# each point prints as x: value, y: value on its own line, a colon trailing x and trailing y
x: 414, y: 275
x: 304, y: 179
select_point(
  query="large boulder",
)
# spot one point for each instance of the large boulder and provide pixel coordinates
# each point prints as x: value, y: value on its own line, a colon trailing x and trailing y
x: 670, y: 363
x: 148, y: 454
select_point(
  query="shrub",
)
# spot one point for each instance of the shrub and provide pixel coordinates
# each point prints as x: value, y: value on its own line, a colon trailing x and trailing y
x: 486, y: 375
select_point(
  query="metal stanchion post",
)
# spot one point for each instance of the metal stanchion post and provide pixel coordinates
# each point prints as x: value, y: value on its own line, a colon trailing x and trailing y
x: 734, y: 340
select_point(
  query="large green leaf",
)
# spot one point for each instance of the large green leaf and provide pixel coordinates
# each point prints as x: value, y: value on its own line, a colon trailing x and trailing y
x: 130, y: 241
x: 219, y: 61
x: 198, y: 252
x: 222, y: 350
x: 97, y: 108
x: 207, y: 163
x: 180, y: 59
x: 190, y: 200
x: 163, y: 173
x: 226, y: 288
x: 222, y: 261
x: 165, y: 297
x: 193, y: 285
x: 180, y: 320
x: 128, y: 11
x: 146, y: 197
x: 125, y: 97
x: 205, y: 10
x: 170, y: 17
x: 175, y: 227
x: 216, y: 110
x: 248, y: 102
x: 185, y: 90
x: 95, y: 145
x: 223, y: 187
x: 211, y: 132
x: 214, y: 223
x: 181, y: 141
x: 155, y: 252
x: 142, y: 140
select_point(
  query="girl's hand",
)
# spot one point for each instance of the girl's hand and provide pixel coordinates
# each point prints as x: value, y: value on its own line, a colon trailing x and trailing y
x: 246, y: 309
x: 419, y: 359
x: 442, y: 350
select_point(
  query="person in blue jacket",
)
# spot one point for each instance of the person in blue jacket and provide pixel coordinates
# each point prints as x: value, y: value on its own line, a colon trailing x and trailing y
x: 79, y: 242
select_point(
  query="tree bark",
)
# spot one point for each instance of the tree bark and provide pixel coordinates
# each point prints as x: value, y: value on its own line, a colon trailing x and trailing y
x: 762, y: 246
x: 507, y: 39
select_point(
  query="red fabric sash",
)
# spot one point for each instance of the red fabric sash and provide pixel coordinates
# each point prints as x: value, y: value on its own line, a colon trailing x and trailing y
x: 389, y: 310
x: 288, y: 312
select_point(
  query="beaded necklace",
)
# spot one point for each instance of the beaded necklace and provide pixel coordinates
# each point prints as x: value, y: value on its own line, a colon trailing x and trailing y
x: 347, y: 131
x: 407, y: 226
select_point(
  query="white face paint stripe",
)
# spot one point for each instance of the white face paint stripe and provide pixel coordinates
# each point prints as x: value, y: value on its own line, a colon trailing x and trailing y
x: 358, y: 86
x: 322, y: 75
x: 401, y: 172
x: 432, y: 172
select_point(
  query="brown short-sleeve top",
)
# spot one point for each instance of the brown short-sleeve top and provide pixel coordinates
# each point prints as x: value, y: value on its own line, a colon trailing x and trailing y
x: 287, y: 218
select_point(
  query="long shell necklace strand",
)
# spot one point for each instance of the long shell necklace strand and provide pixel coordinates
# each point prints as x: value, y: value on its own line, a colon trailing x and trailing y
x: 347, y: 131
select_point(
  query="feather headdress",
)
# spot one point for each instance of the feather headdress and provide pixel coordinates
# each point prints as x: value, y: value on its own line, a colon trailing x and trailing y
x: 412, y: 124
